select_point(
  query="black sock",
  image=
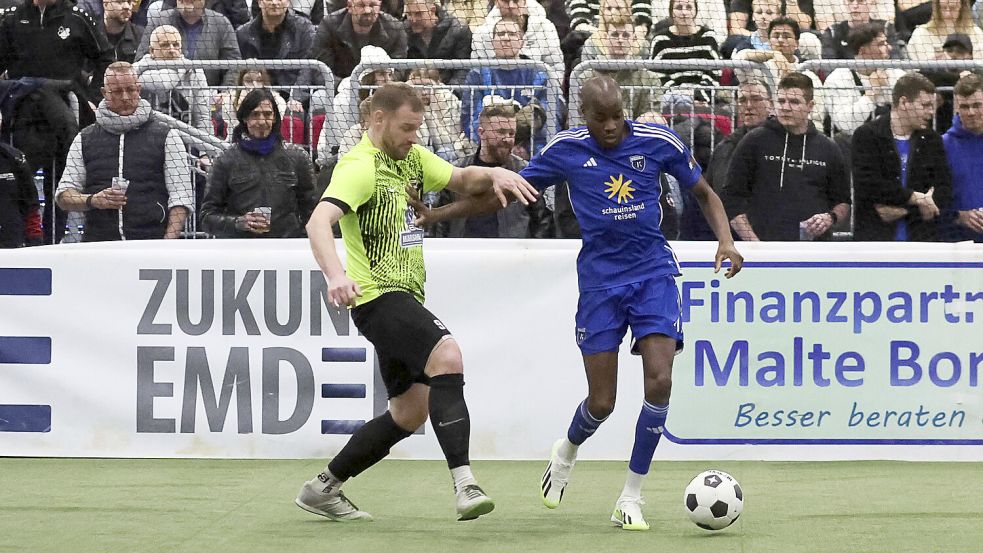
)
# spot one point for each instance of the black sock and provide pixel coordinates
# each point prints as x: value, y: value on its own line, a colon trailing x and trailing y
x: 368, y: 445
x: 449, y: 418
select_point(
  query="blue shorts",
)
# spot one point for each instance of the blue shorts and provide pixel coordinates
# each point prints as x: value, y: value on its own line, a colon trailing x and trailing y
x: 649, y: 307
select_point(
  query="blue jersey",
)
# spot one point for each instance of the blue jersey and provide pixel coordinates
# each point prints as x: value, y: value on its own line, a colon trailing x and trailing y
x: 615, y: 196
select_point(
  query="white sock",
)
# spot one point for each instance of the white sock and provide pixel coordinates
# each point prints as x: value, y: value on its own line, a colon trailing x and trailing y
x: 568, y: 451
x: 333, y: 482
x: 633, y: 484
x: 462, y: 477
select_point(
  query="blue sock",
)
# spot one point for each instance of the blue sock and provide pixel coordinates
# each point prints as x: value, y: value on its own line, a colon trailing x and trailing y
x: 583, y: 425
x: 648, y: 430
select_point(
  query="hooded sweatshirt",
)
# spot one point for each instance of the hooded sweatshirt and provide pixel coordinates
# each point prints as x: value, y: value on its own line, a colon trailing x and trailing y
x: 964, y: 150
x: 779, y: 179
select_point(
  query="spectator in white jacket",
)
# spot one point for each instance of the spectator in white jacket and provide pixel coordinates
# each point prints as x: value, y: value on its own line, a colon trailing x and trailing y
x: 540, y: 41
x: 180, y: 93
x: 854, y: 96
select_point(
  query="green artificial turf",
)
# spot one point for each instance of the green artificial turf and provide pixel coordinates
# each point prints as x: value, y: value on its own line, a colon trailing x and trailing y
x: 106, y: 505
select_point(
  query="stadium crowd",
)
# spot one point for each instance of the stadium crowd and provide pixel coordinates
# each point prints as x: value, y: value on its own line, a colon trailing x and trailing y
x: 797, y: 150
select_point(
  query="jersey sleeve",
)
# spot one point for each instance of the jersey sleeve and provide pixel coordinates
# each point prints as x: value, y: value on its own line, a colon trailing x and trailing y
x: 436, y: 171
x: 679, y: 162
x: 352, y: 182
x: 545, y: 168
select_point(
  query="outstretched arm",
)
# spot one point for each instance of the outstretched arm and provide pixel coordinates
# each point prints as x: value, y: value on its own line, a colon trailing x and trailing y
x: 715, y: 215
x: 475, y: 180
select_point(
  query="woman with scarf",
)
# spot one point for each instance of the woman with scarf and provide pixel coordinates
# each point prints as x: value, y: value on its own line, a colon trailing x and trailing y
x: 260, y: 187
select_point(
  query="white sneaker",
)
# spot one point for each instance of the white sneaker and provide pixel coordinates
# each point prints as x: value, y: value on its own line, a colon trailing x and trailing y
x: 628, y: 513
x: 556, y: 477
x: 320, y: 498
x: 472, y: 502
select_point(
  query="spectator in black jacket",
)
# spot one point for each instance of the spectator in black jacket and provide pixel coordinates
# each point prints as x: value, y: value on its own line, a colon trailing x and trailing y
x: 260, y: 187
x: 54, y: 39
x: 121, y: 33
x: 787, y: 182
x: 279, y: 33
x: 901, y: 177
x: 753, y: 108
x: 432, y: 33
x: 342, y: 34
x: 234, y: 10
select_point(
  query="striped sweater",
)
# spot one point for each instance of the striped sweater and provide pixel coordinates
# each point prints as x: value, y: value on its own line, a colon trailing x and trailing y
x: 585, y: 11
x: 701, y: 45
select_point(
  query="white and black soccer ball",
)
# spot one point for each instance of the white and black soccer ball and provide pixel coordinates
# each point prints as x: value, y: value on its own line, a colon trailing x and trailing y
x: 713, y: 500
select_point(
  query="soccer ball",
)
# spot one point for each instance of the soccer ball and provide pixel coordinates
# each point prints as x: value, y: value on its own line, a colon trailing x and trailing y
x: 713, y: 500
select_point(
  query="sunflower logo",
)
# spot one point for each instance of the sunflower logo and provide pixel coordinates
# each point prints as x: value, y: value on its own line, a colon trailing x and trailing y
x: 620, y: 187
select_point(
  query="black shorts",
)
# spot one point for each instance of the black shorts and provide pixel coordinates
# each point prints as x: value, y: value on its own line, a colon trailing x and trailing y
x: 404, y: 334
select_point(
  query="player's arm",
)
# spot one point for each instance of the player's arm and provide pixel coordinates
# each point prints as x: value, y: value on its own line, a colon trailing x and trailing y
x: 475, y: 181
x: 713, y: 211
x: 341, y: 289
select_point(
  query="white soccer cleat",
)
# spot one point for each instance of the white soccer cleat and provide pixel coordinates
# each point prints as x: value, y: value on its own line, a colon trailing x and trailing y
x: 317, y: 497
x: 556, y: 477
x: 472, y: 502
x: 628, y: 513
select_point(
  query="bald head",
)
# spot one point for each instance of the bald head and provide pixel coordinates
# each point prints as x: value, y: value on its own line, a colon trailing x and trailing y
x: 600, y: 102
x: 600, y: 93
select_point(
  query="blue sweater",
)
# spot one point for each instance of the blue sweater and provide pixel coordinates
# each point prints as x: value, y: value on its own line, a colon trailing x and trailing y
x: 521, y: 85
x: 965, y: 152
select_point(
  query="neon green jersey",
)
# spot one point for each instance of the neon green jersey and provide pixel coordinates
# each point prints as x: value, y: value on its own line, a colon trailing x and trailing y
x: 384, y: 247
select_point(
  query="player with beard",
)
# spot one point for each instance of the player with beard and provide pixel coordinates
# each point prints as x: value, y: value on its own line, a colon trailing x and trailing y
x: 383, y: 284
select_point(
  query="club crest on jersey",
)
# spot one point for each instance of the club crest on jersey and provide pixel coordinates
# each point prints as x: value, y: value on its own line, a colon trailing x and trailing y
x: 637, y: 162
x: 64, y: 32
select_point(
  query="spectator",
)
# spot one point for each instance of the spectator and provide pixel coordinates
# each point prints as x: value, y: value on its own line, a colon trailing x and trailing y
x: 20, y: 211
x: 521, y: 85
x: 964, y: 149
x: 537, y: 34
x: 96, y: 9
x: 180, y: 93
x: 233, y: 10
x: 586, y: 15
x: 349, y: 96
x: 435, y: 34
x: 313, y: 10
x: 280, y: 34
x: 556, y: 13
x: 54, y: 39
x: 910, y: 14
x: 122, y: 34
x: 342, y: 35
x: 901, y: 178
x: 754, y: 105
x: 496, y: 132
x: 801, y: 12
x: 712, y: 15
x: 228, y: 103
x: 391, y: 7
x: 829, y: 14
x: 835, y: 38
x: 783, y: 36
x: 585, y: 44
x: 128, y: 173
x: 441, y: 115
x: 764, y: 11
x: 260, y: 187
x: 850, y: 106
x: 205, y: 35
x: 957, y: 47
x: 641, y: 88
x: 685, y: 40
x: 787, y: 181
x: 948, y: 17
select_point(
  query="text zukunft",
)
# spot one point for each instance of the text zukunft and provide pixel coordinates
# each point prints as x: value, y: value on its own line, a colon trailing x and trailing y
x: 814, y: 365
x: 835, y: 308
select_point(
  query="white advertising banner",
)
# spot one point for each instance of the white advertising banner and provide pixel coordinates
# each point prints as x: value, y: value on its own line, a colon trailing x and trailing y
x: 216, y: 348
